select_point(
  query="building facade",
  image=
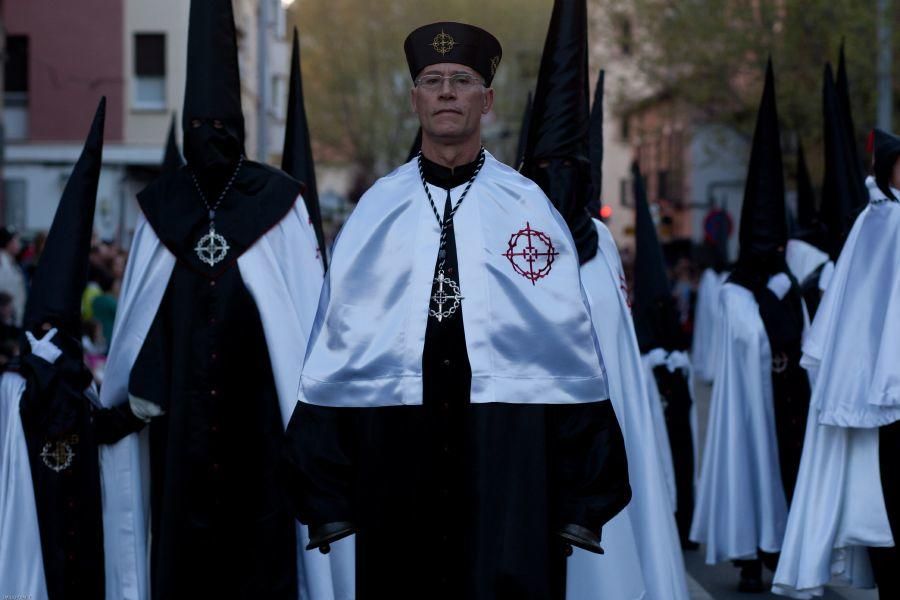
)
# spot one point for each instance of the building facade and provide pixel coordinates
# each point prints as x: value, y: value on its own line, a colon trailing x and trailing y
x: 63, y: 57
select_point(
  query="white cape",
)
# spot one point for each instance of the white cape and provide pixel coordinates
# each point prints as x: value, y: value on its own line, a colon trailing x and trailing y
x: 281, y: 271
x: 803, y: 258
x: 838, y: 506
x: 852, y: 346
x: 703, y: 352
x: 643, y: 553
x: 21, y: 562
x: 741, y: 504
x: 518, y: 269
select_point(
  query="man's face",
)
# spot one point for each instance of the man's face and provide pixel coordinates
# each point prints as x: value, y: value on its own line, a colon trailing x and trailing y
x: 451, y: 112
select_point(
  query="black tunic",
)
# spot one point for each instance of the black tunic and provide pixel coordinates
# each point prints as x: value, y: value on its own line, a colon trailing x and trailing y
x: 452, y: 499
x: 219, y: 526
x: 675, y: 393
x: 783, y: 322
x: 62, y: 452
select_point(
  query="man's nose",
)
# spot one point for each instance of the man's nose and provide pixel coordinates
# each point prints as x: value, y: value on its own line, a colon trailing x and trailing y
x: 447, y: 90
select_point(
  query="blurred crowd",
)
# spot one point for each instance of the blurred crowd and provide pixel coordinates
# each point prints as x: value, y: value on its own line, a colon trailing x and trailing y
x: 19, y: 258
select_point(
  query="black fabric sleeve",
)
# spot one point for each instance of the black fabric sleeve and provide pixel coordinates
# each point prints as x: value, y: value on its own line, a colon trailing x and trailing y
x: 318, y: 465
x: 112, y: 424
x: 589, y: 466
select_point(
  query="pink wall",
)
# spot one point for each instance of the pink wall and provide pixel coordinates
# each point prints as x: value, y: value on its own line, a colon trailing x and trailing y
x: 75, y: 56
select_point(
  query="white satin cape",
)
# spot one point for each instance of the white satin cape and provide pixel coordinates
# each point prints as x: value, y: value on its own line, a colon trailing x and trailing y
x: 741, y: 504
x: 703, y: 352
x: 803, y: 258
x: 21, y: 561
x: 282, y: 273
x: 643, y: 553
x: 838, y: 506
x: 527, y: 341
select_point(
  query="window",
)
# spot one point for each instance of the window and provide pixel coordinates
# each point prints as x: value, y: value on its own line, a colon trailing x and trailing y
x: 16, y: 68
x: 15, y: 84
x: 150, y: 71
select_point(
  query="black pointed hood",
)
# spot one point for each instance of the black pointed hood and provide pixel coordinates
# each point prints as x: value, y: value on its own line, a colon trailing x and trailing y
x: 416, y: 146
x: 172, y: 160
x: 764, y: 230
x: 655, y: 319
x: 523, y: 132
x: 595, y: 147
x: 297, y: 156
x: 556, y: 155
x: 842, y: 198
x: 842, y: 83
x: 887, y: 152
x: 61, y: 274
x: 808, y: 226
x: 212, y: 90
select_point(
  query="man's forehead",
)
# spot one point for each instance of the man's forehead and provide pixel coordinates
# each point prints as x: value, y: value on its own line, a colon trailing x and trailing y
x: 447, y: 68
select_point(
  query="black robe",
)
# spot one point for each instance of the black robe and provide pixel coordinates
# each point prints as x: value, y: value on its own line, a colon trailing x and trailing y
x: 219, y: 526
x: 674, y: 390
x: 657, y: 326
x: 886, y: 561
x: 452, y: 499
x: 783, y: 322
x: 65, y: 473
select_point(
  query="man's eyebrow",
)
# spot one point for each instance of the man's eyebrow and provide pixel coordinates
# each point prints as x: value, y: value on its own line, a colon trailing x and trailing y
x: 456, y: 72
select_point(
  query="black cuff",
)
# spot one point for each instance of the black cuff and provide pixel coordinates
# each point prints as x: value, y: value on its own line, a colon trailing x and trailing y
x: 113, y: 424
x: 323, y: 536
x: 580, y: 537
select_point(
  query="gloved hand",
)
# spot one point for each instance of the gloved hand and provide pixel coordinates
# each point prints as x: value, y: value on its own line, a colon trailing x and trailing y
x: 580, y: 537
x: 44, y: 348
x: 323, y: 536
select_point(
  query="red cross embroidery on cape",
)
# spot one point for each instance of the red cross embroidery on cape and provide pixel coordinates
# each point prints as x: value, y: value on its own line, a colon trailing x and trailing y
x: 531, y: 253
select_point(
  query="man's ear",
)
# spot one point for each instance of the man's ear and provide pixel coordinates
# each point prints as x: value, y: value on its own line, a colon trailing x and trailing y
x: 487, y: 101
x: 412, y: 99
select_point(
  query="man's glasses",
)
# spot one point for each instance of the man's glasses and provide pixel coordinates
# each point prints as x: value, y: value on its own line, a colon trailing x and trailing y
x: 459, y: 82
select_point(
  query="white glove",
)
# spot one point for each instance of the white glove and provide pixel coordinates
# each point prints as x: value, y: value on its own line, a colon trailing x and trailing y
x: 144, y: 409
x: 43, y: 347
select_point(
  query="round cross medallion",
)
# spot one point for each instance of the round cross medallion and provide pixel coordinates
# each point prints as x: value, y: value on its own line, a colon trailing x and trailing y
x: 531, y: 253
x: 58, y: 454
x: 212, y: 248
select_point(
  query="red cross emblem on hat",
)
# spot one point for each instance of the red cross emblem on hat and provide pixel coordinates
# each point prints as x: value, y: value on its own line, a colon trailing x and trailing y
x: 531, y: 253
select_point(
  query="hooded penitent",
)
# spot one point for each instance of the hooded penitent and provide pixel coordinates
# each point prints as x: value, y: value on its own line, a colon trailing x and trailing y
x: 842, y: 83
x: 842, y: 196
x: 808, y: 225
x: 212, y: 94
x: 557, y: 156
x: 887, y: 151
x: 219, y: 190
x: 55, y: 412
x: 297, y: 157
x: 595, y: 151
x: 655, y: 320
x: 61, y: 275
x: 172, y: 160
x: 764, y: 230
